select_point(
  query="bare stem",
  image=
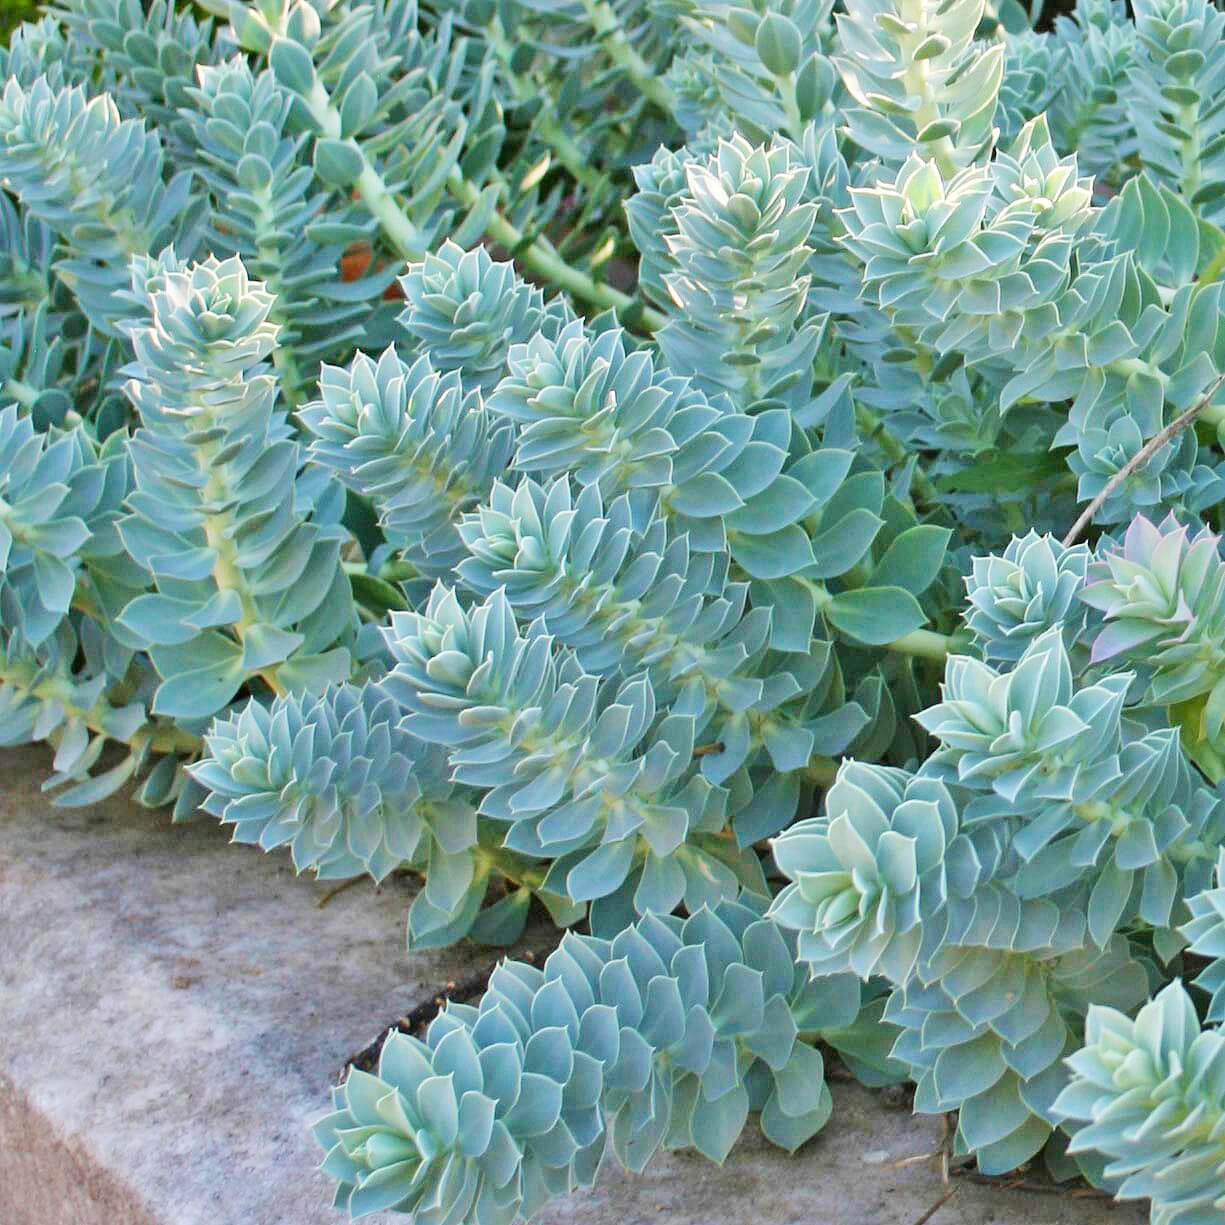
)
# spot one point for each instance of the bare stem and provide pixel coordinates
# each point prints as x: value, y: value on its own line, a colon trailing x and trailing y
x: 540, y: 257
x: 622, y: 53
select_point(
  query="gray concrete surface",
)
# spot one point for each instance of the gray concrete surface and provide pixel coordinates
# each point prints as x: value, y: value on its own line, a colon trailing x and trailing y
x: 173, y: 1009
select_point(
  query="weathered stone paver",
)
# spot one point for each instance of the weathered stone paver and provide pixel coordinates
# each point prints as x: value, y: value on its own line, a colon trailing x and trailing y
x: 172, y: 1010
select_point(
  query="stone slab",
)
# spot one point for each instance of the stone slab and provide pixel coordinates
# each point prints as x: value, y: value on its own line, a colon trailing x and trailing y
x: 173, y: 1010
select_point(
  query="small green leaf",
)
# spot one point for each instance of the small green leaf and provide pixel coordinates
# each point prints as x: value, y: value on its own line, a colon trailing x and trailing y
x: 932, y: 46
x: 938, y: 129
x: 377, y: 594
x: 1005, y: 473
x: 338, y: 162
x: 913, y: 559
x: 814, y: 85
x: 875, y: 615
x: 292, y: 65
x: 358, y: 107
x: 254, y: 173
x: 778, y: 44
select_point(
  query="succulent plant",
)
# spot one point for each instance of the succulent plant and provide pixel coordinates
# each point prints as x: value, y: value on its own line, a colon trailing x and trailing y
x: 333, y: 779
x: 579, y: 772
x: 60, y: 500
x: 465, y: 310
x: 1205, y: 933
x: 868, y: 877
x: 414, y: 443
x: 1146, y: 1094
x: 248, y: 580
x: 987, y: 1021
x: 667, y: 1035
x: 738, y: 251
x: 399, y: 466
x: 1026, y: 728
x: 1159, y: 593
x: 265, y: 208
x: 96, y: 181
x: 1017, y: 596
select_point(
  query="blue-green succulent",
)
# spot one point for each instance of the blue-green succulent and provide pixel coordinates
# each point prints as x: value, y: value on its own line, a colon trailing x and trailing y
x: 242, y: 546
x: 465, y: 310
x: 740, y: 482
x: 665, y: 1036
x: 1205, y: 934
x: 1147, y: 1094
x: 335, y: 780
x: 1032, y: 587
x: 578, y: 770
x: 413, y: 442
x: 867, y: 877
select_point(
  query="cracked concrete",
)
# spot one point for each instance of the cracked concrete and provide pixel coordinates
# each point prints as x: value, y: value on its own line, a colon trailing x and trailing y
x: 173, y: 1009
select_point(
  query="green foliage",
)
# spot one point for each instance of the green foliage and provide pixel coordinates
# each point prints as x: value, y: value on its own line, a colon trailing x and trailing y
x: 13, y: 12
x: 608, y: 458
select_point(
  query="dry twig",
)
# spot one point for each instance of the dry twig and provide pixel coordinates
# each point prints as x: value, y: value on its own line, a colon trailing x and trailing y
x: 1141, y: 457
x: 1008, y: 1183
x: 331, y: 893
x: 931, y: 1212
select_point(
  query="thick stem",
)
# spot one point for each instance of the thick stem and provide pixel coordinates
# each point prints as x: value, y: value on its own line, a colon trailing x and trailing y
x: 925, y: 644
x: 538, y: 256
x: 519, y: 871
x: 409, y: 242
x: 622, y: 53
x: 22, y: 392
x: 393, y: 221
x: 917, y: 83
x: 648, y: 638
x: 1127, y: 366
x: 791, y: 106
x: 283, y: 357
x: 550, y: 131
x: 922, y: 644
x: 1190, y: 152
x: 369, y: 184
x: 874, y: 427
x: 219, y: 532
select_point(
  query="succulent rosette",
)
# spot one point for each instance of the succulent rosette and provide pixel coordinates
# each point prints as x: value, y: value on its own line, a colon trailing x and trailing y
x: 1018, y: 595
x: 870, y: 873
x: 326, y: 778
x: 1148, y: 1095
x: 1206, y: 933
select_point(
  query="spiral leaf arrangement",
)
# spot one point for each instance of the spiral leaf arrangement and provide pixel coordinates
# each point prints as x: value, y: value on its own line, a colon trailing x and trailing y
x: 628, y: 461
